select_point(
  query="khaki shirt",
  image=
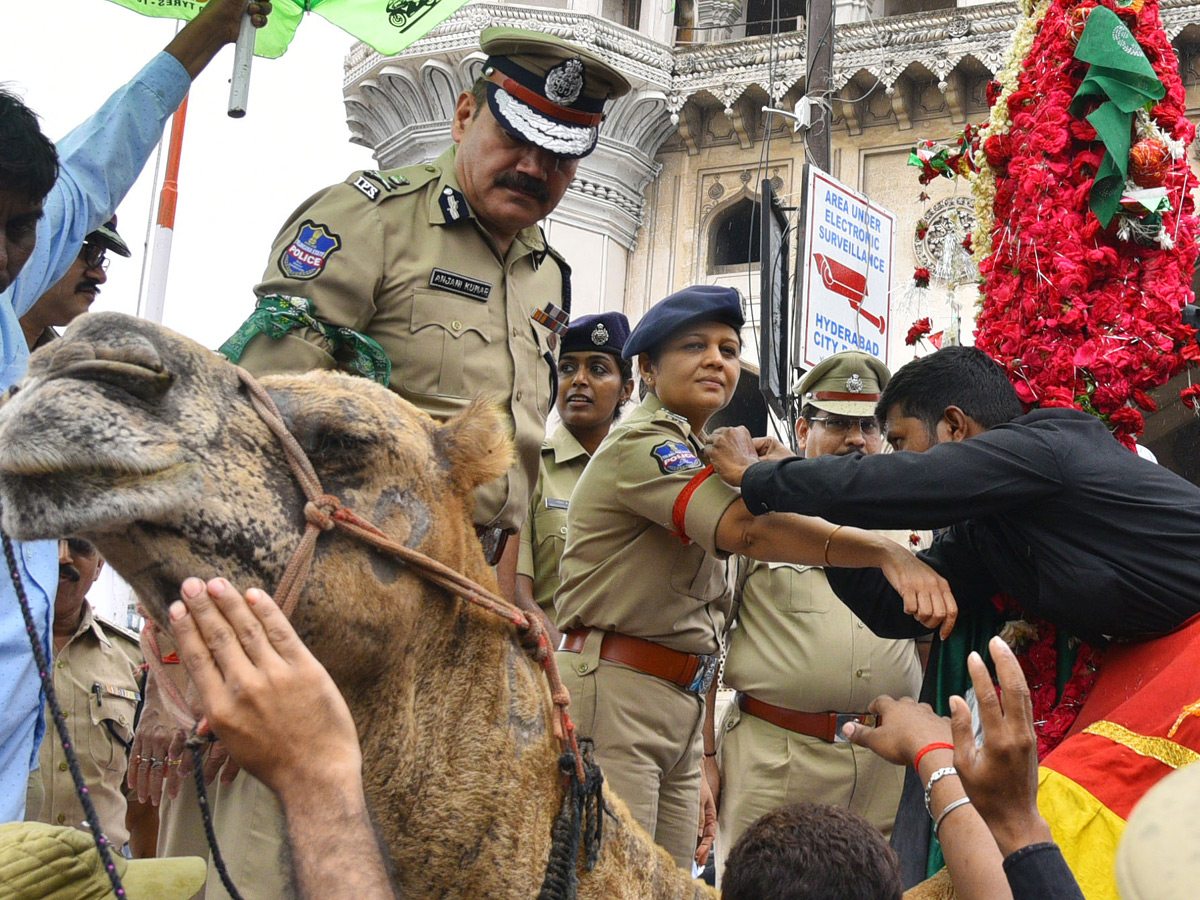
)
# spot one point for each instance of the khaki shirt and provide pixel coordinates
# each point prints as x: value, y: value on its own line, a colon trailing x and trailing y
x: 400, y: 257
x: 798, y: 646
x: 545, y: 531
x: 641, y: 555
x: 103, y: 655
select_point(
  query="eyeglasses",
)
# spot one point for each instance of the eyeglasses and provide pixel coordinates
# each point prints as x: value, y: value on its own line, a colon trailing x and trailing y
x: 840, y: 425
x: 93, y: 256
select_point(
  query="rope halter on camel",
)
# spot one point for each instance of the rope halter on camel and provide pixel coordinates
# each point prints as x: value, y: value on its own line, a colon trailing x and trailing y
x: 324, y: 512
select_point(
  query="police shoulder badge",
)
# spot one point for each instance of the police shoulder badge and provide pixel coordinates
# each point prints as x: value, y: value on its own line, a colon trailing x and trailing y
x: 599, y: 335
x: 564, y: 82
x: 310, y: 249
x: 675, y: 456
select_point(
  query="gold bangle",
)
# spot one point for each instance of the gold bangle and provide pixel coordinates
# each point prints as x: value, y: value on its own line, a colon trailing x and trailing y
x: 829, y: 540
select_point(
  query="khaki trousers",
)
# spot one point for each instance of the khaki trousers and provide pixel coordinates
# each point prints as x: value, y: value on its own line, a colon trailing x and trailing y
x: 648, y: 741
x: 764, y: 767
x: 250, y: 832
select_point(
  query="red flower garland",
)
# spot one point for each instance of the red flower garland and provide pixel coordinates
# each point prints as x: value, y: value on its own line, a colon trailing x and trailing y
x: 1079, y: 317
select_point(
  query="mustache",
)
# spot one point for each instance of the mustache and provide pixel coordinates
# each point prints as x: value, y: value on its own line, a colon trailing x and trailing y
x: 526, y: 184
x: 68, y: 572
x: 88, y: 285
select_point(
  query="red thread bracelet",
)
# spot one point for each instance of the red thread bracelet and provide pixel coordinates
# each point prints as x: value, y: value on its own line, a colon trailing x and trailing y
x: 936, y: 745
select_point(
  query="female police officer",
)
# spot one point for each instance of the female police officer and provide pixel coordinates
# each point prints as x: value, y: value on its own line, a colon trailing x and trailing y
x: 644, y: 595
x: 594, y: 381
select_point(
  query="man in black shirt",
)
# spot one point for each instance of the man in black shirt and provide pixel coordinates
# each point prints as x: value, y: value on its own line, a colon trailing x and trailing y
x: 1047, y: 507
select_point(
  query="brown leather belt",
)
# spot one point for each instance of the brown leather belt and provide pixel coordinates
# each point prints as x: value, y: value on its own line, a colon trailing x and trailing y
x: 692, y: 672
x: 826, y: 726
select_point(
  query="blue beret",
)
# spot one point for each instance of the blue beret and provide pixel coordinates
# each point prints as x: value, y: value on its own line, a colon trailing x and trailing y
x: 699, y: 303
x: 606, y: 333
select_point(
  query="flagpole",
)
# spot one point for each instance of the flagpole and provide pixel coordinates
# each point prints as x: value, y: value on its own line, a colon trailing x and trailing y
x: 164, y: 229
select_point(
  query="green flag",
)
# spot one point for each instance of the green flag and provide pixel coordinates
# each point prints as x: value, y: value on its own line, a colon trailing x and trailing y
x: 387, y: 25
x: 1123, y: 80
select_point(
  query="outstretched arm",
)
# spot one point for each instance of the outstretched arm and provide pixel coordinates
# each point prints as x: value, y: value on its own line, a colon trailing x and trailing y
x: 283, y: 719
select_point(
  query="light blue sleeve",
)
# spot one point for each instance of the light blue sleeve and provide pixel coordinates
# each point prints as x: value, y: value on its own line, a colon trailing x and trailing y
x: 98, y: 164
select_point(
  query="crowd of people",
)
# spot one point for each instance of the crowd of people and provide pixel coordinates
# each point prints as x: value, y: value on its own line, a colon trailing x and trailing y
x: 823, y: 587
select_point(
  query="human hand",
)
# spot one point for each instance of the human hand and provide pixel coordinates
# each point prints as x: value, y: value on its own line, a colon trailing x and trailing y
x: 265, y: 695
x: 706, y: 828
x: 905, y: 726
x: 926, y: 594
x: 1000, y: 777
x: 730, y: 452
x: 769, y: 449
x: 224, y: 17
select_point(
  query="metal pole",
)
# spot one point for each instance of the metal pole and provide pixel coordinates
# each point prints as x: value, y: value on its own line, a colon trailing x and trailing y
x: 243, y: 56
x: 819, y: 84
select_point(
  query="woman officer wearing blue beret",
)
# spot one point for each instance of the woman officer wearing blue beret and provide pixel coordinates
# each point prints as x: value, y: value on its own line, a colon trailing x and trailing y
x: 594, y: 382
x: 644, y: 594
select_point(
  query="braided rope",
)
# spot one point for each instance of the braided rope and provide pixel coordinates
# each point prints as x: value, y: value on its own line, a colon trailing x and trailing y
x: 60, y: 724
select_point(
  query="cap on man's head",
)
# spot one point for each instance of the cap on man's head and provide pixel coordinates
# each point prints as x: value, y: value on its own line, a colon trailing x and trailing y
x: 56, y: 862
x: 547, y: 91
x: 698, y: 303
x: 1158, y: 856
x: 845, y: 384
x: 106, y: 236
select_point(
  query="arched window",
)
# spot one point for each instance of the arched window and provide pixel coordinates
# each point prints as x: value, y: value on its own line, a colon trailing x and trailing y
x: 734, y: 236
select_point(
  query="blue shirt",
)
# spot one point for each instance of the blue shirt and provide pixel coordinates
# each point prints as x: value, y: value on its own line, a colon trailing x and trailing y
x: 98, y: 163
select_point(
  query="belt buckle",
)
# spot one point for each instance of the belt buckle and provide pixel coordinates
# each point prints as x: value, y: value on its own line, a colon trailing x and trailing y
x: 842, y: 718
x: 706, y: 671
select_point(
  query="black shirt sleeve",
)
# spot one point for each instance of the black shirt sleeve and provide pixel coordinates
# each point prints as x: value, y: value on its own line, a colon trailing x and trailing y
x: 1007, y: 466
x: 1039, y: 872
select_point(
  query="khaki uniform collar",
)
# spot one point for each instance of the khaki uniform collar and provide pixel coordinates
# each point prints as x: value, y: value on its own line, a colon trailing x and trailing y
x: 531, y: 237
x: 564, y: 445
x: 87, y: 622
x: 656, y: 412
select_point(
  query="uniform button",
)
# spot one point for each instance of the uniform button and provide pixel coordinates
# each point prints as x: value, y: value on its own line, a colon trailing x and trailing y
x: 563, y: 530
x: 431, y: 168
x: 62, y: 766
x: 582, y: 668
x: 860, y: 625
x: 62, y: 818
x: 121, y: 719
x: 59, y: 664
x: 456, y: 325
x: 858, y: 673
x: 518, y: 395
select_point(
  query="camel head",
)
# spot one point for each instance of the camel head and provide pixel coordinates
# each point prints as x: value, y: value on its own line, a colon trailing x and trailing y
x: 144, y: 442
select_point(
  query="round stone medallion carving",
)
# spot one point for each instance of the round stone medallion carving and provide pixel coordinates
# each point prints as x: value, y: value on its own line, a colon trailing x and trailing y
x: 953, y: 219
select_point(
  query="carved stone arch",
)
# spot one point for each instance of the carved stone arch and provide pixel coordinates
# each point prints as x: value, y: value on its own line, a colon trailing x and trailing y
x: 720, y: 192
x: 471, y: 67
x: 399, y: 87
x: 442, y: 86
x: 640, y: 119
x: 368, y: 120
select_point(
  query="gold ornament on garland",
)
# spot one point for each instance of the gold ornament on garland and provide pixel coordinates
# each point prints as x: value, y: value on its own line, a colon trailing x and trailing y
x: 1149, y: 163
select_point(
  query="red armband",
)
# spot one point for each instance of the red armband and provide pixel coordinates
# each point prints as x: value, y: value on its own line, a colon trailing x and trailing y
x: 679, y: 512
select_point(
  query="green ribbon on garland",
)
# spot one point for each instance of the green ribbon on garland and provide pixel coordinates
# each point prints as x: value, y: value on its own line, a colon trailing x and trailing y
x: 1123, y: 79
x: 277, y: 314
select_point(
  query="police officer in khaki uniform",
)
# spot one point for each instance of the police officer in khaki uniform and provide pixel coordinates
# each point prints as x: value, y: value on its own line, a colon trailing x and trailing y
x: 594, y: 381
x: 97, y: 678
x: 437, y: 281
x: 644, y: 595
x: 802, y: 663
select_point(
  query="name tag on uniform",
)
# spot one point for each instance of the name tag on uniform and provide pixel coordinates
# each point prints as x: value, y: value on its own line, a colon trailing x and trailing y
x: 460, y: 284
x: 555, y: 503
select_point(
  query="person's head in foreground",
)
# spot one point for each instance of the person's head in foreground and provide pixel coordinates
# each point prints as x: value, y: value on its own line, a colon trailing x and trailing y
x: 837, y: 405
x: 521, y: 130
x: 951, y: 395
x: 1159, y: 854
x: 811, y: 851
x: 73, y: 294
x: 57, y: 862
x: 28, y: 168
x: 594, y: 381
x: 688, y: 349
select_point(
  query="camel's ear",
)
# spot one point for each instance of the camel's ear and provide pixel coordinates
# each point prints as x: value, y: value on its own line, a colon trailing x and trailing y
x: 474, y: 446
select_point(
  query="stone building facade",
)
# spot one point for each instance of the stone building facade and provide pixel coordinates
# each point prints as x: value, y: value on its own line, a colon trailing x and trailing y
x: 668, y: 197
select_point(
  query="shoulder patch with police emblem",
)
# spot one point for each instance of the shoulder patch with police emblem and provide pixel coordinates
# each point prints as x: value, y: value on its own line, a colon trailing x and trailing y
x: 675, y: 456
x: 305, y: 257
